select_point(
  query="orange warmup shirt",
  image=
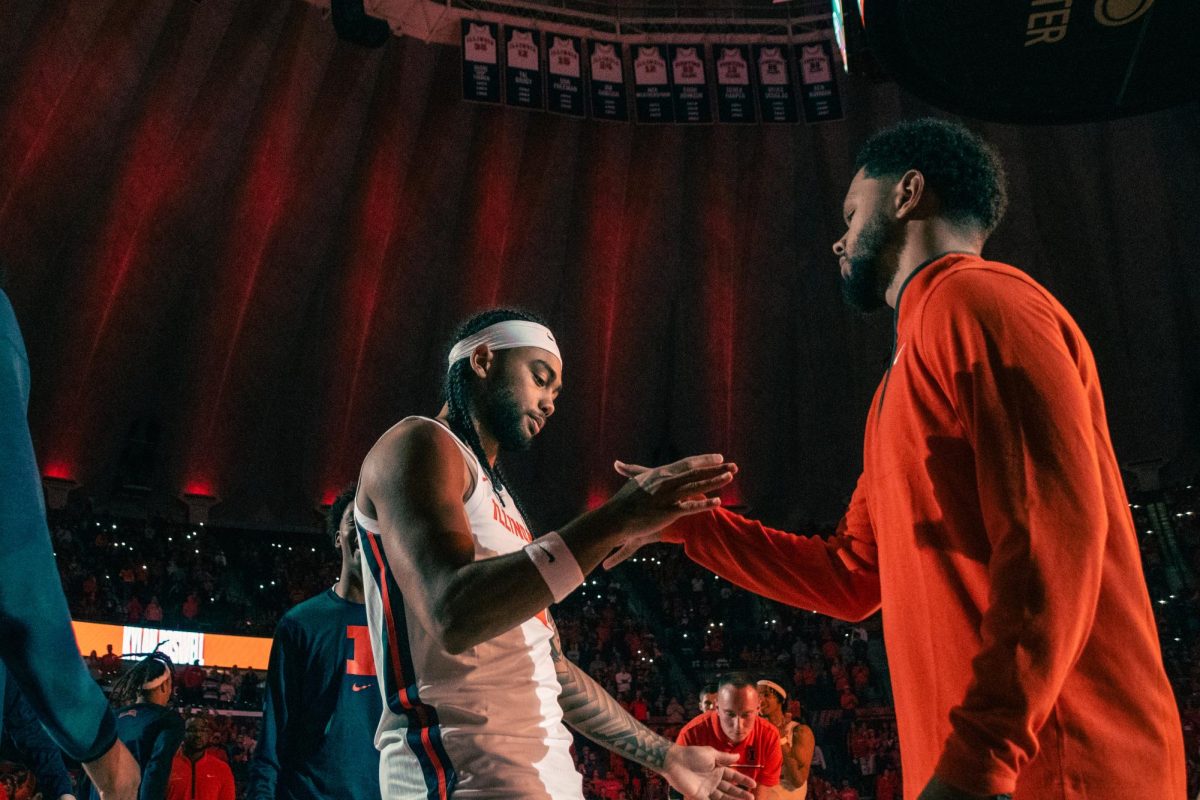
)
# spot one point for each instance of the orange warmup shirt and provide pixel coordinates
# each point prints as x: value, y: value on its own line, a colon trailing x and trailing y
x: 209, y: 778
x: 760, y: 756
x: 991, y: 525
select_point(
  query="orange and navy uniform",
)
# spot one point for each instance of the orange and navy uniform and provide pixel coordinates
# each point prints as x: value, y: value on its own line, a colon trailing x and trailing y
x: 759, y: 754
x: 991, y: 525
x: 480, y: 723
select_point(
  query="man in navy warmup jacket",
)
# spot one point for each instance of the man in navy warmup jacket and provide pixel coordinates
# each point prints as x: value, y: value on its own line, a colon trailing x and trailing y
x: 322, y: 700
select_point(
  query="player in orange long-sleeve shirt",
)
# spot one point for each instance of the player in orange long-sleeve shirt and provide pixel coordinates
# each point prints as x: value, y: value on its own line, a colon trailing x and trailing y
x: 989, y: 522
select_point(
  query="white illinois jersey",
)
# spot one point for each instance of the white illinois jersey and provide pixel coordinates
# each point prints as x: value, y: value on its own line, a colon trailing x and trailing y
x: 482, y: 724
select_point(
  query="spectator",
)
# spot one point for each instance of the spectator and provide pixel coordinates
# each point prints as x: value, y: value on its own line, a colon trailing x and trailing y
x: 200, y: 771
x: 154, y: 611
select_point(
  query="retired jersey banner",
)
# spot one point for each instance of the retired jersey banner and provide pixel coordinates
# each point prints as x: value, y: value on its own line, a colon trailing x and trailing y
x: 818, y: 85
x: 735, y: 95
x: 565, y: 83
x: 652, y: 84
x: 689, y: 84
x: 610, y: 99
x: 523, y: 68
x: 481, y: 62
x: 776, y: 94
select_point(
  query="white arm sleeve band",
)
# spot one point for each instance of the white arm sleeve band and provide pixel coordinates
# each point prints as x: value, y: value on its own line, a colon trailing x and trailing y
x: 556, y: 563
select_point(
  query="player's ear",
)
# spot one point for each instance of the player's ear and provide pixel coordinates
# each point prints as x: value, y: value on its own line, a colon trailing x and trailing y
x: 482, y: 360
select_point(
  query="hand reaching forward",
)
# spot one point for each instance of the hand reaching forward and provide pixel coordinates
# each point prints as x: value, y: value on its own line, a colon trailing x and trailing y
x: 690, y: 503
x: 702, y: 773
x: 655, y: 497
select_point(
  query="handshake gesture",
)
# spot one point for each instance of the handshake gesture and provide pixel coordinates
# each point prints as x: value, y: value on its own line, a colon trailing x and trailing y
x: 654, y: 497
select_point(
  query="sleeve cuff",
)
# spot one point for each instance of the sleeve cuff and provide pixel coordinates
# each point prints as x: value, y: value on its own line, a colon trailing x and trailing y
x: 106, y: 737
x: 681, y: 529
x: 975, y: 772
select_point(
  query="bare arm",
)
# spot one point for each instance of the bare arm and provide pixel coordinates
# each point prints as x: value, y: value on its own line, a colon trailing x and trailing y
x: 797, y: 760
x: 414, y: 482
x: 697, y: 772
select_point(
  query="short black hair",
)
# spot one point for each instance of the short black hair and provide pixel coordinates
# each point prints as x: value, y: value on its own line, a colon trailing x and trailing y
x: 737, y: 680
x: 333, y: 517
x: 963, y: 170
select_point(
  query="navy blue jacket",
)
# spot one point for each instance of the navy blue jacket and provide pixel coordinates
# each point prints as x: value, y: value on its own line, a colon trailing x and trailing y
x: 33, y: 746
x: 37, y: 643
x: 321, y: 708
x: 153, y: 734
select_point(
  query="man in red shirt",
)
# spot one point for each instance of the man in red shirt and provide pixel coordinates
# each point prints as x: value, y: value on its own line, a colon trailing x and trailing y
x: 735, y: 726
x: 990, y: 519
x: 199, y: 771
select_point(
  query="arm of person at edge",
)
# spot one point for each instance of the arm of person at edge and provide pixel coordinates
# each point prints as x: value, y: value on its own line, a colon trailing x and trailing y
x: 45, y: 759
x: 798, y: 760
x: 415, y: 480
x: 838, y: 577
x: 697, y: 772
x: 1017, y: 379
x: 280, y: 692
x: 35, y: 624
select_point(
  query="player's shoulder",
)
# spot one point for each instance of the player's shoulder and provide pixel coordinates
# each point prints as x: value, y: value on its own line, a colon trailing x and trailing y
x: 307, y: 612
x: 765, y: 729
x: 694, y: 729
x: 412, y: 440
x: 977, y: 284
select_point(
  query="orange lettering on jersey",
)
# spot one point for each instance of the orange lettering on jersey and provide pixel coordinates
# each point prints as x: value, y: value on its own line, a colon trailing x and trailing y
x: 363, y: 662
x: 510, y: 524
x: 544, y: 619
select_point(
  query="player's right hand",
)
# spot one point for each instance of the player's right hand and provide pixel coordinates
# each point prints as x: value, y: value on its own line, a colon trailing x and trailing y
x: 116, y: 775
x: 704, y: 773
x: 654, y: 497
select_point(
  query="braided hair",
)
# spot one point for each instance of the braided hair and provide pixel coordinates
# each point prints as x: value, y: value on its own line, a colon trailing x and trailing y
x: 128, y: 688
x: 457, y: 392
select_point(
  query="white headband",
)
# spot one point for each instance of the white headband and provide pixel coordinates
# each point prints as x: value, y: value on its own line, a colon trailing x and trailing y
x: 774, y: 687
x: 505, y: 336
x: 154, y: 683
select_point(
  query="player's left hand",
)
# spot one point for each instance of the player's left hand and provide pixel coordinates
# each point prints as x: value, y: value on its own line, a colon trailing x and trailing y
x: 937, y: 789
x: 702, y: 773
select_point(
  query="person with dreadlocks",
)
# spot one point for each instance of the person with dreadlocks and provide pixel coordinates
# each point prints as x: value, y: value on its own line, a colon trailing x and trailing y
x: 321, y: 703
x: 146, y: 723
x: 474, y: 682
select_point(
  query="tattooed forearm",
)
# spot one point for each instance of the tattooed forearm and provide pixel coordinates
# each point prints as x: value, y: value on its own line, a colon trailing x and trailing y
x: 593, y: 712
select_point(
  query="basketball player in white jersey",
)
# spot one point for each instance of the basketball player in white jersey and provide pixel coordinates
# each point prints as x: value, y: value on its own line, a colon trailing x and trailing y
x: 795, y: 738
x: 475, y: 686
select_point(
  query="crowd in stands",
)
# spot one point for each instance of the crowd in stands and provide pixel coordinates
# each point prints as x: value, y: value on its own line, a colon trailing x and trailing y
x: 653, y: 632
x: 180, y: 576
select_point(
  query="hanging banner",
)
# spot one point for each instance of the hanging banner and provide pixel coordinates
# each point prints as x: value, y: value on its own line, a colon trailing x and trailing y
x: 776, y: 95
x: 480, y: 62
x: 818, y: 85
x: 735, y: 98
x: 689, y: 84
x: 652, y: 84
x: 609, y: 97
x: 523, y: 68
x: 565, y: 84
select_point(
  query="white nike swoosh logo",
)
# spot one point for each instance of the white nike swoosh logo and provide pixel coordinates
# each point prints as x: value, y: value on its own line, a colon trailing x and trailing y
x: 898, y: 352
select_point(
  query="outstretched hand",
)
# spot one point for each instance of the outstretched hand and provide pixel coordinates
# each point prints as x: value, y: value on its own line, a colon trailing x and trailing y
x: 702, y: 773
x: 686, y: 480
